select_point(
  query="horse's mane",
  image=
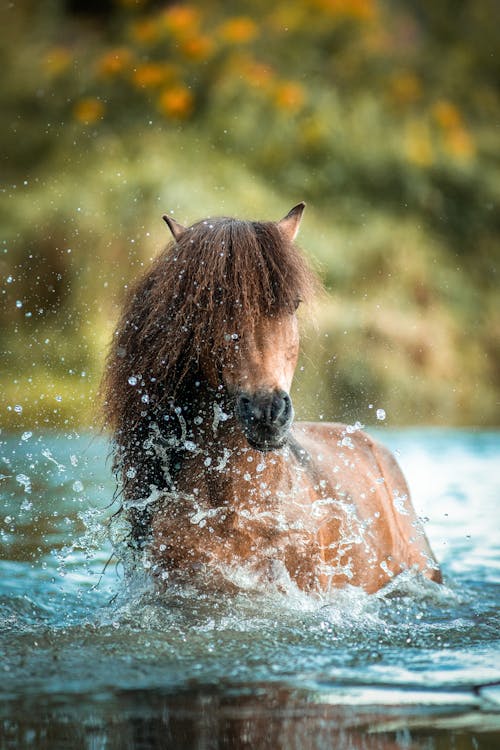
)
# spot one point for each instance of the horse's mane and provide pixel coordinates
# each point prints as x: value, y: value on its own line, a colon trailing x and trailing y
x: 186, y: 314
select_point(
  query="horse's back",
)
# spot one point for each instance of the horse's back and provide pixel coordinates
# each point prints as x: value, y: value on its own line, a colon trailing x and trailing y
x: 365, y: 475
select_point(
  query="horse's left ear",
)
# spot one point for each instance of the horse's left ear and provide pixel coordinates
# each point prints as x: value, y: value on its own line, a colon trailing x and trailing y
x: 174, y: 226
x: 289, y: 225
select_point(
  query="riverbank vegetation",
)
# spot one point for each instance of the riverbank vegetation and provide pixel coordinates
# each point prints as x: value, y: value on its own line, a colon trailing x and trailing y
x: 383, y: 117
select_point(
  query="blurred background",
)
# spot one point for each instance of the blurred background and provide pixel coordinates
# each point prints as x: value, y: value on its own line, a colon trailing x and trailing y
x: 383, y: 116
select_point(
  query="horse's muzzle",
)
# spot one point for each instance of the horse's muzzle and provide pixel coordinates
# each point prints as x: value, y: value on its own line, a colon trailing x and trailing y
x: 266, y: 417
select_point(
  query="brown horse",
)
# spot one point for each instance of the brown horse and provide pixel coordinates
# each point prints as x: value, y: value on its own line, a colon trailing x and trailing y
x: 216, y: 476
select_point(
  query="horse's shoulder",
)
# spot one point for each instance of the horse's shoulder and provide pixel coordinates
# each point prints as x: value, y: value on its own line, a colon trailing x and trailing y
x: 316, y: 437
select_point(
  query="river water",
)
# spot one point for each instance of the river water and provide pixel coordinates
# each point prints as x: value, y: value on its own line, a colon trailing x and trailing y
x: 90, y: 661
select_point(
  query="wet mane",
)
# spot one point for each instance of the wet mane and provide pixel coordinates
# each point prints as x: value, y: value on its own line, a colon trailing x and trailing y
x: 183, y: 319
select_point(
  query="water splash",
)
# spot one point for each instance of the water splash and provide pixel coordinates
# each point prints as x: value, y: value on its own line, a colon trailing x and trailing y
x: 24, y: 481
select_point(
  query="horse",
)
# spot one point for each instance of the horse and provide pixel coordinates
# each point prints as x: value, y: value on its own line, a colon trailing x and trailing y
x: 216, y: 475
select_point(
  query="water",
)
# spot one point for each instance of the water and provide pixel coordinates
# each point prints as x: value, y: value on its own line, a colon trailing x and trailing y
x: 90, y: 663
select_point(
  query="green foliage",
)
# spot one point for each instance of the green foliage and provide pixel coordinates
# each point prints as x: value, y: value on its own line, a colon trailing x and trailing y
x: 381, y: 115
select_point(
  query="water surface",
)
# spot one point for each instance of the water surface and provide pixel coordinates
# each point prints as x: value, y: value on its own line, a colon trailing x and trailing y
x: 90, y: 662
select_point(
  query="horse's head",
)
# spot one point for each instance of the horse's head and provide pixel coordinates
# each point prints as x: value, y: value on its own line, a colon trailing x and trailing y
x: 260, y: 342
x: 261, y: 381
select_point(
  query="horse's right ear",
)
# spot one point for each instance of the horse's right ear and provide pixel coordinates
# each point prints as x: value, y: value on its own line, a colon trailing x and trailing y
x: 289, y: 225
x: 174, y: 226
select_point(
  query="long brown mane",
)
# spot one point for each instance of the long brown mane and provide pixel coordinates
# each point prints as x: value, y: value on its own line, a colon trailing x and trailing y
x: 187, y: 313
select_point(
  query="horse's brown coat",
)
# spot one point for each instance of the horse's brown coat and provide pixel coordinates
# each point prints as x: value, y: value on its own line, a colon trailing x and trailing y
x: 329, y: 508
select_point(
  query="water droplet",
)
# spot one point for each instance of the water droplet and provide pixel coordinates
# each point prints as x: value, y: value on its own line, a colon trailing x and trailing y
x: 18, y: 409
x: 26, y: 435
x: 381, y: 414
x: 19, y: 303
x: 77, y: 486
x: 132, y: 380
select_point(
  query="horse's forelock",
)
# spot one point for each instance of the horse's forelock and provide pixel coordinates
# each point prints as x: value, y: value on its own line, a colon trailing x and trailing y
x: 241, y: 271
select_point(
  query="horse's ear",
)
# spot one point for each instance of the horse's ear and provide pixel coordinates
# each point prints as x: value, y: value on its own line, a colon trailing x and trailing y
x: 289, y: 225
x: 174, y: 226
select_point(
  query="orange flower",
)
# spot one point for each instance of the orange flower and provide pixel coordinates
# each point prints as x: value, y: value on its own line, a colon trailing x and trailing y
x: 457, y: 140
x: 150, y: 75
x: 363, y: 10
x: 57, y: 61
x: 114, y: 62
x: 256, y: 74
x: 238, y: 30
x: 176, y: 102
x: 447, y: 115
x: 459, y: 143
x: 88, y: 110
x: 181, y: 19
x: 290, y: 96
x: 198, y: 48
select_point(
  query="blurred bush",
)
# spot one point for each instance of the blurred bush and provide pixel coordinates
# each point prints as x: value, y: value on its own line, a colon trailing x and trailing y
x: 381, y: 115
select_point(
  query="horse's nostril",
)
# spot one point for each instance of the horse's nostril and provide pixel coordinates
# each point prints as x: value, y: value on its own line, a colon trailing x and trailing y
x: 272, y: 409
x: 278, y: 406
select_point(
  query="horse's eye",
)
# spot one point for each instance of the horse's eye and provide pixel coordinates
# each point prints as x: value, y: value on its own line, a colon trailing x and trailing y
x: 297, y: 303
